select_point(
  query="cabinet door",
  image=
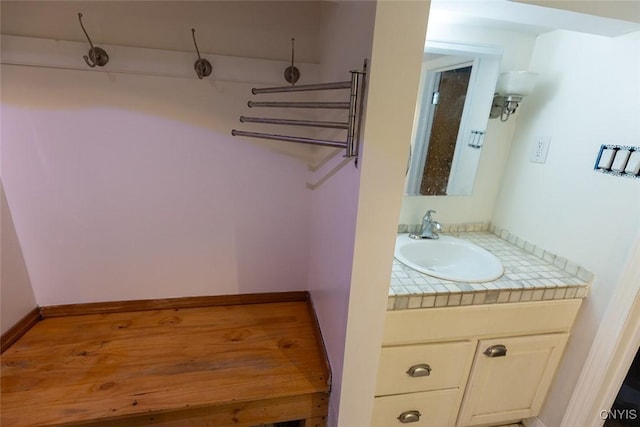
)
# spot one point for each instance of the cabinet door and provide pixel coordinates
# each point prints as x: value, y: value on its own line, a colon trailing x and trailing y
x: 510, y: 378
x: 427, y: 409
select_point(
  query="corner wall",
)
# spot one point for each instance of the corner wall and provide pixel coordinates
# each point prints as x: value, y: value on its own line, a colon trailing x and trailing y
x: 347, y: 42
x: 16, y: 294
x: 129, y: 186
x: 398, y: 44
x: 564, y: 205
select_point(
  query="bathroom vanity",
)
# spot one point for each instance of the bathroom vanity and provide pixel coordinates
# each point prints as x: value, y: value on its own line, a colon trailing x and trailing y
x: 476, y: 354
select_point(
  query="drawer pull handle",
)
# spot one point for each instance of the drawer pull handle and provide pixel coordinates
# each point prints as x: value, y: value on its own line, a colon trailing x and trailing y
x: 496, y: 351
x: 409, y: 417
x: 422, y: 370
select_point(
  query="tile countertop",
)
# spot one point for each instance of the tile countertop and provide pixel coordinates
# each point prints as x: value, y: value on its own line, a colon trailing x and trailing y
x: 530, y: 274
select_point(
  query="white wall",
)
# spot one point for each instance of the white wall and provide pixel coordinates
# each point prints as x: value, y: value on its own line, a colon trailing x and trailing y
x: 16, y: 294
x: 127, y: 186
x: 346, y: 43
x: 130, y: 186
x: 480, y: 205
x: 397, y: 45
x: 587, y: 96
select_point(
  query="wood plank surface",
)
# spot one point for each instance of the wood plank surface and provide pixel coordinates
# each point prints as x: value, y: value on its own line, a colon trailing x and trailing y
x: 69, y: 370
x: 19, y: 329
x: 167, y: 303
x: 246, y: 414
x: 314, y: 422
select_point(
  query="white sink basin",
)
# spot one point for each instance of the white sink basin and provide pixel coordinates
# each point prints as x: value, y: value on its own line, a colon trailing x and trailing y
x: 448, y: 258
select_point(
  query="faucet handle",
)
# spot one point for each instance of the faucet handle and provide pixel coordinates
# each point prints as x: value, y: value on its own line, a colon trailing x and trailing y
x: 428, y: 214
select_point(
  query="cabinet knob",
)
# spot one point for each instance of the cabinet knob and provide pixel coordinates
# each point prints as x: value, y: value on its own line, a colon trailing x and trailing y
x: 409, y: 417
x: 422, y: 370
x: 497, y: 350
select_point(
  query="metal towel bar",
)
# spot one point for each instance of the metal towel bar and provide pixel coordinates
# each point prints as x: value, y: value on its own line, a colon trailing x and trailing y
x: 330, y: 105
x: 302, y: 88
x: 355, y: 105
x: 313, y: 123
x: 298, y: 139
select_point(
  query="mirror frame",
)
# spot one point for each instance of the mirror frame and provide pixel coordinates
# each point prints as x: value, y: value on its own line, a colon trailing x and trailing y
x: 486, y: 61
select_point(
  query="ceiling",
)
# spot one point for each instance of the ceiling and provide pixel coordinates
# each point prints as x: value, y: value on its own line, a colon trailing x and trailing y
x: 263, y: 29
x: 626, y: 10
x: 536, y: 19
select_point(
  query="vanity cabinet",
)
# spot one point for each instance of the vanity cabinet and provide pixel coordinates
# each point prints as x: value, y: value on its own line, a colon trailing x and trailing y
x: 480, y: 365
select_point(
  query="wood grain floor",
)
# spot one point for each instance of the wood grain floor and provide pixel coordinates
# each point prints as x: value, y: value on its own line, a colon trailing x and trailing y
x: 74, y: 369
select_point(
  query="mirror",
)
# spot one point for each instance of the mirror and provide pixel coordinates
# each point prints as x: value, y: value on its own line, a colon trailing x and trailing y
x: 452, y: 112
x: 467, y: 26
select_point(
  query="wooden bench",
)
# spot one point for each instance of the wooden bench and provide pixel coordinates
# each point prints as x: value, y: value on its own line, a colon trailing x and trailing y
x: 209, y: 361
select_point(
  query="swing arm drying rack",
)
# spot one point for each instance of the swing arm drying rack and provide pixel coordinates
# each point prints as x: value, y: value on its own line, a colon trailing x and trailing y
x: 355, y: 105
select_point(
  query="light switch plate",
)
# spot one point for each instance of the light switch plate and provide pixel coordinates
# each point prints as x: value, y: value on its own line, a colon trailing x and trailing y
x: 605, y: 158
x: 633, y: 165
x: 540, y: 149
x: 620, y: 161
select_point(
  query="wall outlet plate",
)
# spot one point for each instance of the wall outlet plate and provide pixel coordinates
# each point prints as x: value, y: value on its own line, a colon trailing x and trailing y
x: 540, y: 149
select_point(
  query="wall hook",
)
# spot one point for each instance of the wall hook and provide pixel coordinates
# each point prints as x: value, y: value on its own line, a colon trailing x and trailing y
x: 291, y: 73
x: 97, y: 55
x: 202, y: 66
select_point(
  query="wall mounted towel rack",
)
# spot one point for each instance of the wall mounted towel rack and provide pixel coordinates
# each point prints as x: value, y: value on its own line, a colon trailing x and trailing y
x: 354, y: 106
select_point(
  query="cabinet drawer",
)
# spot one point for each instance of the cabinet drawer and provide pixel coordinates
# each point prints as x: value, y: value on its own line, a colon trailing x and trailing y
x: 435, y: 409
x: 435, y: 366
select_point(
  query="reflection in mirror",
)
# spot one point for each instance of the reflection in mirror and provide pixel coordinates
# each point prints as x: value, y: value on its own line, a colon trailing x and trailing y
x: 448, y: 89
x: 452, y: 112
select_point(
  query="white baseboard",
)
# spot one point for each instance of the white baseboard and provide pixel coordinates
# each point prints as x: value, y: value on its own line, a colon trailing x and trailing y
x: 533, y: 422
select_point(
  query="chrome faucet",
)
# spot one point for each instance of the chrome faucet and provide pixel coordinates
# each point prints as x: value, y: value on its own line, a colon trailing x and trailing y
x: 429, y: 229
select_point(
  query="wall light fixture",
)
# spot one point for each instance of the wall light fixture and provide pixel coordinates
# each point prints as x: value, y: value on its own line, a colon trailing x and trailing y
x: 512, y: 87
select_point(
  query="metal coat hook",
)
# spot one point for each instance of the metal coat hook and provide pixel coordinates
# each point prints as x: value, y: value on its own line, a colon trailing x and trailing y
x: 291, y: 73
x: 97, y: 55
x: 202, y: 66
